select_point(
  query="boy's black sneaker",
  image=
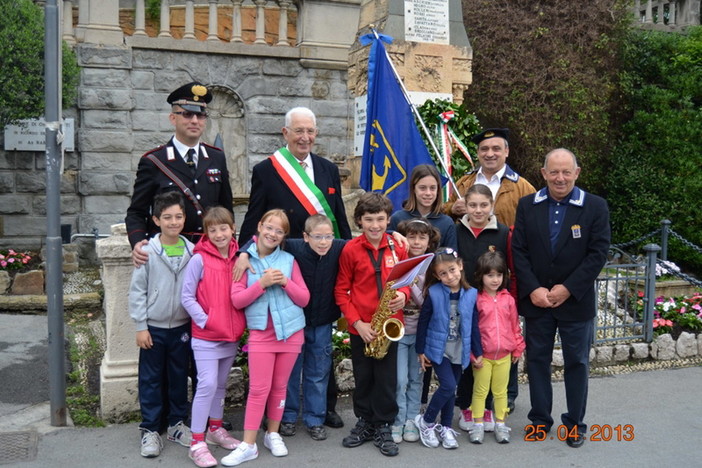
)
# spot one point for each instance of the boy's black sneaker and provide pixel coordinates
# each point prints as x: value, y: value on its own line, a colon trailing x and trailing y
x: 362, y: 432
x: 383, y: 440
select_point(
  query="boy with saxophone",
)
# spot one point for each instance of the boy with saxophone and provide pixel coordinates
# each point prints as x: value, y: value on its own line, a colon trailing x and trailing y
x: 360, y: 292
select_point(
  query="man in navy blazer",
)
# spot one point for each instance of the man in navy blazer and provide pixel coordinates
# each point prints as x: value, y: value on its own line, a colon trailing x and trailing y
x: 560, y: 243
x: 270, y: 190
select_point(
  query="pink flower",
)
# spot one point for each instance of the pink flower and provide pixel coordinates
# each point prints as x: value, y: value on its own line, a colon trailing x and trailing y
x: 25, y: 260
x: 346, y: 340
x: 640, y: 293
x: 245, y: 348
x: 668, y: 323
x: 683, y: 309
x: 3, y: 263
x: 697, y: 307
x: 10, y: 260
x: 659, y: 299
x: 11, y: 252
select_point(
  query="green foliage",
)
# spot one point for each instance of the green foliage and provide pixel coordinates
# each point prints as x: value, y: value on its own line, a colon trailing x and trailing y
x: 548, y: 71
x: 655, y: 171
x: 464, y: 125
x: 22, y: 62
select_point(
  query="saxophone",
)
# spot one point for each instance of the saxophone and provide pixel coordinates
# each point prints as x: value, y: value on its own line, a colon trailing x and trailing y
x: 387, y: 328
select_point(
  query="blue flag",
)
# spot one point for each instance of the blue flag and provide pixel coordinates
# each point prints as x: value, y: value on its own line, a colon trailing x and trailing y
x: 393, y: 145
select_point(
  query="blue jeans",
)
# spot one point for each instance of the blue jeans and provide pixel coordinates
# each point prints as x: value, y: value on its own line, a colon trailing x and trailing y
x: 409, y: 380
x: 444, y: 397
x: 314, y: 364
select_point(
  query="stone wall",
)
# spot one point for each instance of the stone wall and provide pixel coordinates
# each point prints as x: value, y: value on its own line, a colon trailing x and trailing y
x: 122, y: 112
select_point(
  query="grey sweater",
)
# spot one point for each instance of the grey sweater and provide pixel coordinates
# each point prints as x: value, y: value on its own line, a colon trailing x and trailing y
x: 154, y: 293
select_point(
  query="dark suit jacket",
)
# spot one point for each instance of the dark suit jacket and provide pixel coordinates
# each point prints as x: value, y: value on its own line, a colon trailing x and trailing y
x: 579, y: 255
x: 210, y: 185
x: 269, y: 191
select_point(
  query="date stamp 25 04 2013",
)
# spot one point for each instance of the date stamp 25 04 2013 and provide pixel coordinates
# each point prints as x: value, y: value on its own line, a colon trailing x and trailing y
x: 599, y: 433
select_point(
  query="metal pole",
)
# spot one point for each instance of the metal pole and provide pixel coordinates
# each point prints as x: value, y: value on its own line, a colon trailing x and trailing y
x: 664, y: 238
x: 419, y: 117
x: 54, y: 258
x: 650, y: 290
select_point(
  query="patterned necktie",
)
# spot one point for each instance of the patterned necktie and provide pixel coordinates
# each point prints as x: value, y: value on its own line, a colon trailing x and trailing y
x: 304, y: 165
x: 190, y: 161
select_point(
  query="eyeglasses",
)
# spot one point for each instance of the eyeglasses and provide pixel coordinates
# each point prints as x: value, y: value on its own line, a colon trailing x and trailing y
x: 270, y: 229
x: 303, y: 131
x: 187, y: 115
x: 320, y: 237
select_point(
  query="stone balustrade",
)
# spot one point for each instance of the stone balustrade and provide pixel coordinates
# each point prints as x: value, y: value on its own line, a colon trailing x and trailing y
x: 667, y: 14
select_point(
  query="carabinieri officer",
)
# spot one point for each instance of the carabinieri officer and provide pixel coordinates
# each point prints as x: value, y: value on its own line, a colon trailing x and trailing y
x: 186, y: 164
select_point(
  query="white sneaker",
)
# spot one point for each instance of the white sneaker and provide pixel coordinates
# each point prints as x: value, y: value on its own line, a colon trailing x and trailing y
x: 273, y: 442
x: 489, y: 421
x: 151, y: 444
x: 448, y: 438
x: 465, y: 420
x: 180, y: 434
x: 426, y: 432
x: 411, y: 433
x: 243, y: 453
x: 397, y: 434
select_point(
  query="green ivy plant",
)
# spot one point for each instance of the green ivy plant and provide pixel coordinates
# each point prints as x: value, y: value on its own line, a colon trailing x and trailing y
x: 464, y: 124
x: 22, y: 63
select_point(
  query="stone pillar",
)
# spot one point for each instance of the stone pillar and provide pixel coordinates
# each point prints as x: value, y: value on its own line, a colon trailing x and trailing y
x: 102, y: 23
x: 432, y: 66
x: 119, y: 369
x: 236, y: 21
x: 68, y: 22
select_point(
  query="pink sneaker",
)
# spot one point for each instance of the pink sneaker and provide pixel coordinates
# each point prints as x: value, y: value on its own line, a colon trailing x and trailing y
x: 221, y: 437
x: 465, y: 420
x: 201, y: 456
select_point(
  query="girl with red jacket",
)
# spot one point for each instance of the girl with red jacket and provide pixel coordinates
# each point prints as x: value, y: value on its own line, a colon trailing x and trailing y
x: 502, y: 342
x: 216, y: 328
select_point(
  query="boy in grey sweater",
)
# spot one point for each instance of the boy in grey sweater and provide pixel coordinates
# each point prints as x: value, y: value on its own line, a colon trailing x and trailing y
x: 163, y: 327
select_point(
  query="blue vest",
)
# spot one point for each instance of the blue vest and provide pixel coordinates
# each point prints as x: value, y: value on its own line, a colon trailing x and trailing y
x: 287, y: 317
x: 437, y: 330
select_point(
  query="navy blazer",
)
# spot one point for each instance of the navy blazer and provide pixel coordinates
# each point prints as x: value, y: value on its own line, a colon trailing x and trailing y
x: 580, y: 253
x: 269, y: 191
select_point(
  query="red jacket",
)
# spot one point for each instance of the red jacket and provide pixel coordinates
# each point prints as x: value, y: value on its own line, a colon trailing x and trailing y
x: 500, y: 333
x: 356, y: 290
x: 224, y: 321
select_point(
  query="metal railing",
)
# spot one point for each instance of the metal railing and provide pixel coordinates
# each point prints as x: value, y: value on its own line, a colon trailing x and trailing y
x: 626, y: 287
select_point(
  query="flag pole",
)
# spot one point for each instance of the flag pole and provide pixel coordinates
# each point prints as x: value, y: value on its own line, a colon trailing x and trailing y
x: 419, y: 117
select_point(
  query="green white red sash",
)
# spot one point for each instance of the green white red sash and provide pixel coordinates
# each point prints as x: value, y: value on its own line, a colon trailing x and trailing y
x: 300, y: 184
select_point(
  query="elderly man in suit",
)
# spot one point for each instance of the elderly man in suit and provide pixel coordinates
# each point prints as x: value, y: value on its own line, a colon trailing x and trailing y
x: 301, y: 183
x: 560, y: 243
x: 297, y: 181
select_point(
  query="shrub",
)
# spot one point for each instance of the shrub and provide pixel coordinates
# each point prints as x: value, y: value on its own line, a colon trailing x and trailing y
x: 655, y: 170
x: 548, y: 71
x: 22, y: 63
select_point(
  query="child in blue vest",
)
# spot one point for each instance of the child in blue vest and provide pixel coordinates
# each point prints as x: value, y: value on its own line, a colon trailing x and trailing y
x: 273, y: 298
x: 446, y: 335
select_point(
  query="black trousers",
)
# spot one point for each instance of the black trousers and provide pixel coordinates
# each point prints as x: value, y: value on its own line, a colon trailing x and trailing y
x: 163, y: 378
x: 576, y: 339
x: 374, y: 398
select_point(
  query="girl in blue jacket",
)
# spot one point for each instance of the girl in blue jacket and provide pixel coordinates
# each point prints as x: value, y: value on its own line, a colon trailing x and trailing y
x: 446, y: 335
